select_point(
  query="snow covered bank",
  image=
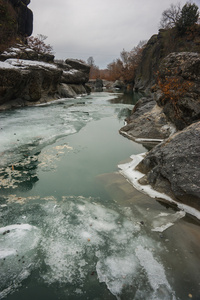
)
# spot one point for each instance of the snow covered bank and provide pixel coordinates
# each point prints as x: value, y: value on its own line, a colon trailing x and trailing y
x: 129, y: 171
x: 27, y: 82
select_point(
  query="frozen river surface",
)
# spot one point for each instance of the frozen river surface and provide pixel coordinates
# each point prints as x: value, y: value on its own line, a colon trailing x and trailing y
x: 71, y: 227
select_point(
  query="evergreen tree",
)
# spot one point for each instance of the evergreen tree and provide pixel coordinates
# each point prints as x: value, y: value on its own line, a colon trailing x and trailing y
x: 189, y: 16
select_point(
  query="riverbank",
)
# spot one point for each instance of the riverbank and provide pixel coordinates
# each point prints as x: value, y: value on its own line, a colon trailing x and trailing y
x: 131, y: 172
x: 170, y: 118
x: 27, y: 81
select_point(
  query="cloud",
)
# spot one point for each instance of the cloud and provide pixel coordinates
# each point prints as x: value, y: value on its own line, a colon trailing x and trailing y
x: 98, y: 28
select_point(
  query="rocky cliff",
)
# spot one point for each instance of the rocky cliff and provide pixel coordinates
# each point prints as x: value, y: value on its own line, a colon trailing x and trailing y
x: 24, y: 17
x: 171, y: 117
x: 28, y: 77
x: 16, y: 22
x: 25, y: 82
x: 158, y: 47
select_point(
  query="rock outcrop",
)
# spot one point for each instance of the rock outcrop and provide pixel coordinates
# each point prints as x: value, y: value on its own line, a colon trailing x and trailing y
x: 152, y: 117
x: 158, y: 47
x: 27, y: 82
x: 182, y: 70
x: 24, y: 17
x: 172, y: 113
x: 16, y: 22
x: 22, y: 51
x: 173, y: 166
x: 147, y: 123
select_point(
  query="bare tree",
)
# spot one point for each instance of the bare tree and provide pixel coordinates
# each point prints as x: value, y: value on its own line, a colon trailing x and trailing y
x: 38, y: 44
x: 170, y: 16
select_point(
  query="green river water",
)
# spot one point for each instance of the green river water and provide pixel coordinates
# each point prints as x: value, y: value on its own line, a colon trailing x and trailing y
x: 72, y: 227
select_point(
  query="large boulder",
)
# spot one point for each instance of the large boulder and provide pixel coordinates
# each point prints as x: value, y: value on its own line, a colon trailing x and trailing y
x: 78, y: 65
x: 147, y: 122
x: 74, y: 76
x: 26, y: 82
x: 118, y: 84
x: 173, y: 166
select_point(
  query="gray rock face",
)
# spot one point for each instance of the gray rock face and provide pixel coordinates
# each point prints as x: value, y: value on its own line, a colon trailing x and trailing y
x: 24, y: 17
x: 147, y: 121
x: 174, y: 166
x: 157, y: 48
x: 74, y: 76
x: 26, y: 82
x: 118, y: 84
x: 185, y: 68
x: 78, y: 65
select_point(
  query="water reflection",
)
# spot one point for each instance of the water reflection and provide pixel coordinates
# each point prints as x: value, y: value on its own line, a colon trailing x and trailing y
x: 127, y: 98
x: 123, y: 113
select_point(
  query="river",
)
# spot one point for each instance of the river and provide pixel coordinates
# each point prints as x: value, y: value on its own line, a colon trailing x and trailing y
x: 72, y: 227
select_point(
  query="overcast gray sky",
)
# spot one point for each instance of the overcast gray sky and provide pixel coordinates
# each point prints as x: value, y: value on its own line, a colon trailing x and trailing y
x: 98, y: 28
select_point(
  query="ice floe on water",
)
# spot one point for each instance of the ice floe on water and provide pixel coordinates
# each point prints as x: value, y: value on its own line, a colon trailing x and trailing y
x: 18, y: 248
x: 25, y: 132
x: 70, y: 239
x: 166, y: 220
x: 73, y: 245
x: 156, y: 275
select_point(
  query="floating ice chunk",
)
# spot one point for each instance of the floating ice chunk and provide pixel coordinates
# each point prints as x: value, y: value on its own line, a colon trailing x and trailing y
x: 163, y: 221
x: 117, y: 271
x: 163, y: 215
x: 17, y: 254
x: 16, y: 227
x: 102, y: 225
x: 162, y: 227
x: 87, y: 228
x: 6, y: 252
x: 156, y: 274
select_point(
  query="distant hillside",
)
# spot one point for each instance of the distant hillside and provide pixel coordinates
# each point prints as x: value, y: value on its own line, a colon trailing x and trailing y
x: 16, y: 22
x: 158, y: 47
